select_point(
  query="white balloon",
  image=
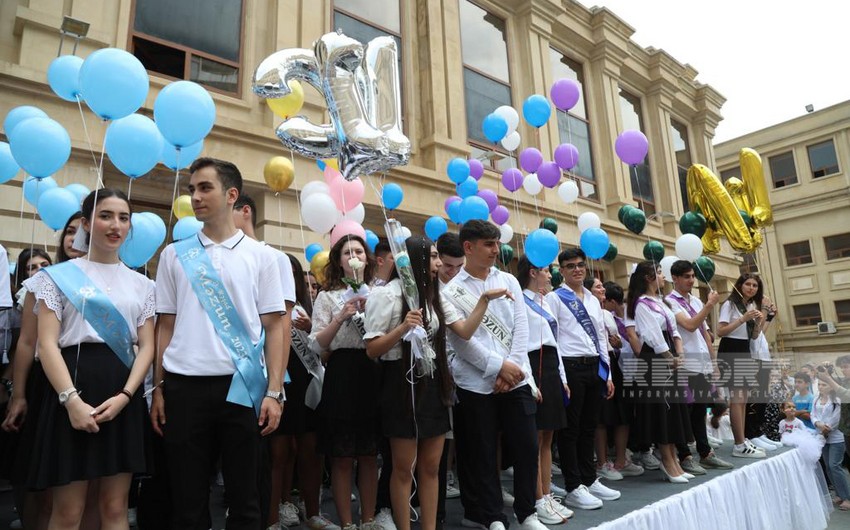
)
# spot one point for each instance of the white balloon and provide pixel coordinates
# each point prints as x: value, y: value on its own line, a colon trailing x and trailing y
x: 510, y: 115
x: 588, y: 220
x: 319, y: 213
x: 568, y: 191
x: 511, y: 141
x: 531, y: 184
x: 688, y: 247
x: 314, y: 186
x: 405, y: 232
x: 507, y: 233
x: 356, y: 214
x: 667, y: 262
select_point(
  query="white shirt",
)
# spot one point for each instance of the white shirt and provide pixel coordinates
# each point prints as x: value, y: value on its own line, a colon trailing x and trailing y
x: 477, y: 361
x: 626, y: 351
x: 130, y: 292
x: 729, y: 313
x: 249, y: 271
x: 287, y: 280
x: 786, y: 427
x: 539, y: 331
x: 328, y: 304
x: 650, y: 325
x: 573, y: 341
x: 610, y: 329
x: 828, y: 413
x: 697, y: 352
x: 5, y: 279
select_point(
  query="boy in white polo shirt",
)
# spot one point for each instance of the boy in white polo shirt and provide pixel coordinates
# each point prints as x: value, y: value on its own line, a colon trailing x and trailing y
x: 219, y: 294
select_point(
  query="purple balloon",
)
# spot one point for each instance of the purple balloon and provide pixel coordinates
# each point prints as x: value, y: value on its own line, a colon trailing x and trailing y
x: 449, y: 201
x: 476, y: 168
x: 566, y: 156
x: 512, y: 179
x: 490, y: 198
x: 549, y: 174
x: 565, y: 93
x: 500, y: 215
x: 631, y: 147
x: 530, y: 159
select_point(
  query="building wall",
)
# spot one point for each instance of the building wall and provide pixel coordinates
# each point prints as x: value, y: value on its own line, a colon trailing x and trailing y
x: 433, y: 105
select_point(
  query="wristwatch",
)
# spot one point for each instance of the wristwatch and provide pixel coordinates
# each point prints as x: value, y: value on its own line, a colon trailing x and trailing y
x: 280, y: 397
x: 65, y: 395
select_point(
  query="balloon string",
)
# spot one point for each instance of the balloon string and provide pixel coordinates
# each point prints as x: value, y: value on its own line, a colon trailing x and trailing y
x: 130, y: 189
x: 280, y: 218
x: 298, y: 202
x: 100, y: 165
x: 174, y: 192
x: 21, y: 221
x: 86, y: 131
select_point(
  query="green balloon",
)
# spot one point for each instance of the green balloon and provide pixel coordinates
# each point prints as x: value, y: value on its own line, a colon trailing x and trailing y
x: 549, y: 224
x: 747, y: 219
x: 653, y: 251
x: 693, y: 223
x: 704, y: 269
x: 557, y: 279
x: 635, y: 220
x: 611, y: 255
x: 621, y: 213
x: 506, y: 254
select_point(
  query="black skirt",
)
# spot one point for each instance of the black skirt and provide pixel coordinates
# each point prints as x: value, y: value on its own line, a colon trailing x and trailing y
x: 397, y: 417
x: 732, y: 352
x: 617, y: 410
x: 349, y: 408
x: 661, y: 416
x: 297, y: 417
x: 37, y: 387
x: 65, y: 454
x: 551, y: 413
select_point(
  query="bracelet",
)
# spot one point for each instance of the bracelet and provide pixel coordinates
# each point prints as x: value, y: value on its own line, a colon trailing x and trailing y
x: 126, y: 393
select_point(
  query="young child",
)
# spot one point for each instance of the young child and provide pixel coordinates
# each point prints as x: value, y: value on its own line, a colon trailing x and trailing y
x: 825, y: 415
x: 791, y: 422
x: 803, y: 398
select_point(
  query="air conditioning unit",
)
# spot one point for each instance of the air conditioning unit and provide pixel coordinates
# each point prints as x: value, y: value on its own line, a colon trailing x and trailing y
x: 826, y: 328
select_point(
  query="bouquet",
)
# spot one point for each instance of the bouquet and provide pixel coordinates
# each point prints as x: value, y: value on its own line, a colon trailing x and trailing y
x: 356, y: 285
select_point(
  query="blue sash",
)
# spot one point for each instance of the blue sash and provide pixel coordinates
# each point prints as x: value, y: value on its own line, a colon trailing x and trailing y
x: 249, y: 383
x: 96, y: 308
x: 578, y: 310
x: 534, y: 306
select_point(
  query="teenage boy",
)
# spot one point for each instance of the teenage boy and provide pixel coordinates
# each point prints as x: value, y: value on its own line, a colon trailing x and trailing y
x: 451, y: 257
x: 219, y: 295
x: 495, y: 389
x: 384, y: 261
x: 803, y: 398
x: 699, y: 364
x: 583, y: 342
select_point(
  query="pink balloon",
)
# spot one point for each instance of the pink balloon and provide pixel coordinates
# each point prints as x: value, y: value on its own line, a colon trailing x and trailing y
x: 347, y: 194
x: 347, y: 227
x: 331, y: 174
x: 500, y: 215
x: 490, y: 198
x: 476, y: 168
x: 549, y: 174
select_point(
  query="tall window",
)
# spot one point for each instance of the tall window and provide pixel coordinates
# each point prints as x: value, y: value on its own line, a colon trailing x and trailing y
x: 486, y: 79
x: 363, y: 20
x: 726, y: 174
x: 632, y: 114
x: 822, y: 158
x: 842, y: 310
x: 837, y: 246
x: 749, y: 265
x: 783, y: 172
x: 682, y: 150
x: 807, y: 314
x: 191, y: 39
x: 574, y: 125
x: 799, y: 253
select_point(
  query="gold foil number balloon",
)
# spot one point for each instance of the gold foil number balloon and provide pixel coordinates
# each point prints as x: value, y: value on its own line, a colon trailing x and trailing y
x: 183, y: 207
x: 756, y: 188
x: 279, y: 173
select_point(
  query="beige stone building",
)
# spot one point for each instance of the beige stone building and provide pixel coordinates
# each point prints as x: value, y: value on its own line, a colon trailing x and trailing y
x: 460, y: 59
x: 806, y: 254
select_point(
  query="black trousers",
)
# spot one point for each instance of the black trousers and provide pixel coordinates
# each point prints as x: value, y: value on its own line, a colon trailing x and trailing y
x: 701, y: 389
x: 201, y: 424
x: 478, y: 420
x: 575, y: 442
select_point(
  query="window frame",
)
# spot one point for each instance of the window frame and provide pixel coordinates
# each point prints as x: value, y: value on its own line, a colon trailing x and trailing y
x: 838, y: 313
x: 834, y: 151
x: 844, y: 250
x: 642, y: 203
x: 683, y: 184
x: 770, y: 160
x: 788, y: 260
x: 806, y: 320
x: 189, y: 51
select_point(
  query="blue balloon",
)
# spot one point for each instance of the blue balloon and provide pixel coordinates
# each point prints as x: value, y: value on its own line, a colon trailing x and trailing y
x: 41, y: 146
x: 311, y: 250
x: 474, y: 207
x: 133, y: 144
x: 371, y: 240
x: 186, y: 227
x: 56, y: 206
x: 145, y: 237
x: 494, y: 127
x: 19, y: 114
x: 158, y: 223
x: 435, y: 227
x: 467, y: 188
x: 392, y: 195
x: 63, y: 76
x: 541, y: 247
x: 172, y: 156
x: 594, y: 242
x: 536, y: 110
x: 8, y: 167
x: 79, y: 191
x: 184, y: 112
x: 453, y: 212
x: 458, y: 170
x: 113, y: 83
x: 34, y: 187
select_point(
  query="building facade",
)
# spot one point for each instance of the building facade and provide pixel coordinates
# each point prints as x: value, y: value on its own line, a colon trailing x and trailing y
x: 805, y: 258
x: 460, y: 59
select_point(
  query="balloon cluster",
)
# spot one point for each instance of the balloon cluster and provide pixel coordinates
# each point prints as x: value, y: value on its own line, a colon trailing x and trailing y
x: 335, y: 205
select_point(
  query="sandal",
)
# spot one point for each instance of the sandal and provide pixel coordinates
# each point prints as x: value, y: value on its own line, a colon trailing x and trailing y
x: 844, y: 506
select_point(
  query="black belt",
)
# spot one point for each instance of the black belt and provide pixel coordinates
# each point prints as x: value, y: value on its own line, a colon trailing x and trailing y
x: 587, y: 359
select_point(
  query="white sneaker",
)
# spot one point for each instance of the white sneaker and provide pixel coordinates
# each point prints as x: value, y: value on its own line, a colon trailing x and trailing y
x: 531, y: 523
x: 631, y: 469
x: 608, y: 472
x: 384, y: 518
x: 748, y: 450
x: 556, y: 470
x: 761, y: 444
x: 507, y: 498
x: 452, y: 491
x: 320, y: 522
x: 287, y: 514
x: 763, y: 438
x: 546, y: 513
x: 132, y: 517
x: 648, y: 460
x: 714, y: 442
x: 601, y: 491
x: 499, y: 525
x: 565, y: 512
x: 557, y: 491
x: 582, y: 499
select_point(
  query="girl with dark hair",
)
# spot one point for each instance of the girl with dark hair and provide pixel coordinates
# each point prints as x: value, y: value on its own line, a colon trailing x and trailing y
x: 66, y: 249
x: 660, y: 420
x: 92, y: 313
x: 295, y: 438
x: 349, y: 405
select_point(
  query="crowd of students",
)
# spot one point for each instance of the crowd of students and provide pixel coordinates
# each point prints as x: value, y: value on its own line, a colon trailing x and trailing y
x: 256, y: 368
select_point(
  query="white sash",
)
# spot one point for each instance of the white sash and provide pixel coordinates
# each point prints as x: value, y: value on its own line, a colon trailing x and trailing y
x: 312, y: 365
x: 466, y: 301
x: 356, y: 319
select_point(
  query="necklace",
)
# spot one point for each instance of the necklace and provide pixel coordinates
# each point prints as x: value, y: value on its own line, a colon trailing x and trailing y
x: 115, y: 268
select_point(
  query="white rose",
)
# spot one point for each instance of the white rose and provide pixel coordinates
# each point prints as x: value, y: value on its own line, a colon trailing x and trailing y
x: 355, y: 264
